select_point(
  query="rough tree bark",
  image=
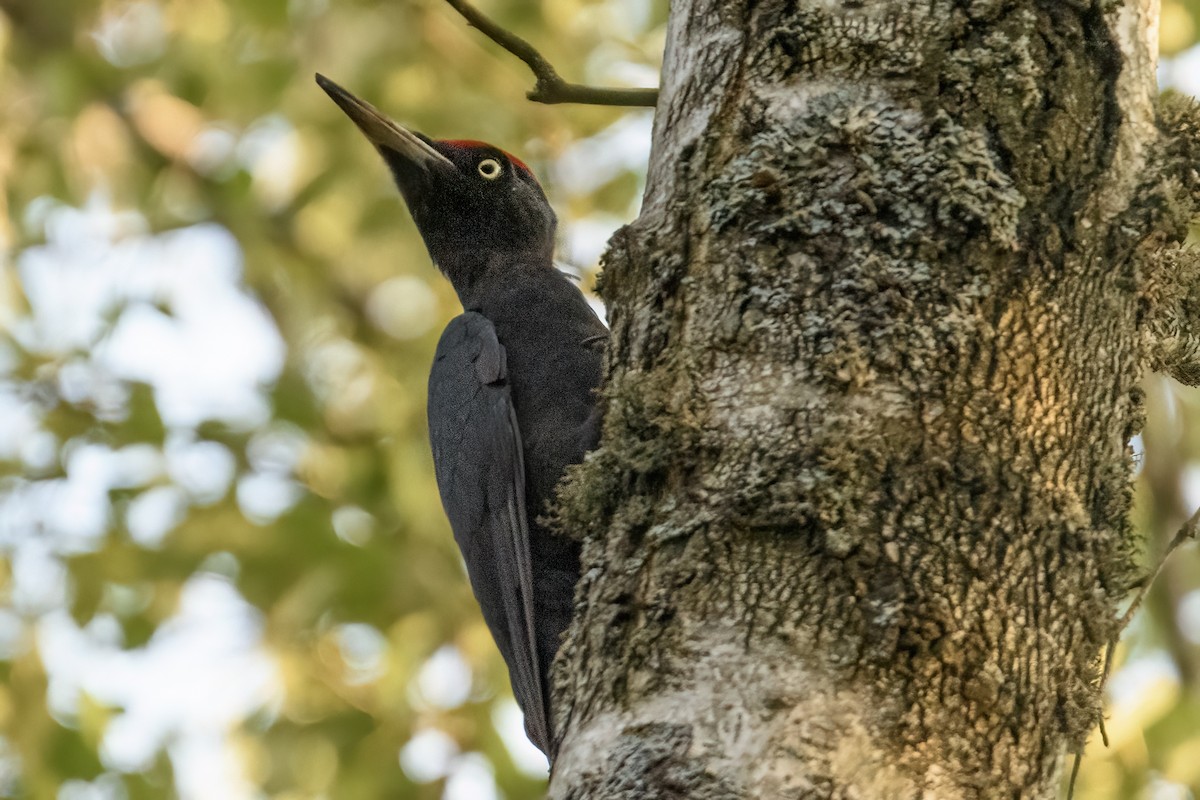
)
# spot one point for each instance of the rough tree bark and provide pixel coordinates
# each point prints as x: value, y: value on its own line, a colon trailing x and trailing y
x: 857, y: 528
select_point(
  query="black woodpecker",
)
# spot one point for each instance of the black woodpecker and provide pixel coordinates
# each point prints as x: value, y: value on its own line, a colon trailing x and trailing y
x: 512, y: 394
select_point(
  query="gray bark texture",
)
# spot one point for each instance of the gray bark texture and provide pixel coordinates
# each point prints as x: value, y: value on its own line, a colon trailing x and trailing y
x: 858, y: 524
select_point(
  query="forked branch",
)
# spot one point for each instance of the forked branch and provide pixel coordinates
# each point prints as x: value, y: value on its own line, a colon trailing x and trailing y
x: 550, y: 87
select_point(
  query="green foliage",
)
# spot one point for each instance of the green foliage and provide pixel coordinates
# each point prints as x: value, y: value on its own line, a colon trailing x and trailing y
x: 1180, y: 25
x: 161, y: 115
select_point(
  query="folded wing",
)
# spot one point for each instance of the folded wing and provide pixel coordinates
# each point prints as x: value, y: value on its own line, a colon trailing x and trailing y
x: 478, y: 458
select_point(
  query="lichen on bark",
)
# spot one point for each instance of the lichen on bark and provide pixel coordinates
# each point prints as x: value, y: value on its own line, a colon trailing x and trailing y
x: 857, y: 526
x: 1169, y: 270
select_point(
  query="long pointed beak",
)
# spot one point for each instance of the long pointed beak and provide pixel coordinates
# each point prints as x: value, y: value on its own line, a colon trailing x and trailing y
x: 380, y: 130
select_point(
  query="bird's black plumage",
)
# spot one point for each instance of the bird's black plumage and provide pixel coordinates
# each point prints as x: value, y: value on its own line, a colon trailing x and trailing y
x: 512, y: 393
x: 479, y: 459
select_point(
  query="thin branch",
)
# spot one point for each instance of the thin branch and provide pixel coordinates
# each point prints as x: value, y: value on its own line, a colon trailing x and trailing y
x: 1074, y: 775
x: 550, y: 87
x: 1187, y: 531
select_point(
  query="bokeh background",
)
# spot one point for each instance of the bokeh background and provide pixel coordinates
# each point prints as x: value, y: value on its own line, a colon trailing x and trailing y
x: 224, y: 570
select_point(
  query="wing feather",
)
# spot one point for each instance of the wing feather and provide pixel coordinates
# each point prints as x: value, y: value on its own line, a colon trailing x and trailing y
x: 478, y: 456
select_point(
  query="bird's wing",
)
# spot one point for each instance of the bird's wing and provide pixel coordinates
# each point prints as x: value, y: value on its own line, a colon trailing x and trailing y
x: 478, y: 458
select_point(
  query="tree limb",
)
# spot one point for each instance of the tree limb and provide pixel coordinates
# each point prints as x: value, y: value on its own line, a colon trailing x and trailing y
x: 550, y: 87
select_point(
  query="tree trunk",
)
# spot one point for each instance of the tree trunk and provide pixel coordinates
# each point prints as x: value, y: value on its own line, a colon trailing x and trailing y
x: 857, y: 527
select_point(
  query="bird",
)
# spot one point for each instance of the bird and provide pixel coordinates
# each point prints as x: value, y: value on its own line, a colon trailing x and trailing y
x: 512, y: 396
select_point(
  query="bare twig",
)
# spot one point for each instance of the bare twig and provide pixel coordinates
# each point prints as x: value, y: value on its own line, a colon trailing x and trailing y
x: 1187, y: 531
x: 550, y: 87
x: 1074, y: 775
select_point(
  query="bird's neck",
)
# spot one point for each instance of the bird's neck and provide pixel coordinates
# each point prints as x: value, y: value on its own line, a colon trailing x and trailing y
x: 476, y: 276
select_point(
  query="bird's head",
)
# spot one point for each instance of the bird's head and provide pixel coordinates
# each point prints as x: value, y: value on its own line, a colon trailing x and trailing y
x: 470, y: 200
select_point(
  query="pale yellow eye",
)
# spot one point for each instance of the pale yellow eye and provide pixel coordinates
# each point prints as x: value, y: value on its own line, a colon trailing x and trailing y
x: 489, y: 168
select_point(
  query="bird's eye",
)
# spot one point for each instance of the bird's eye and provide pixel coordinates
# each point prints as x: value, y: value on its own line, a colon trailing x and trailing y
x: 489, y: 168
